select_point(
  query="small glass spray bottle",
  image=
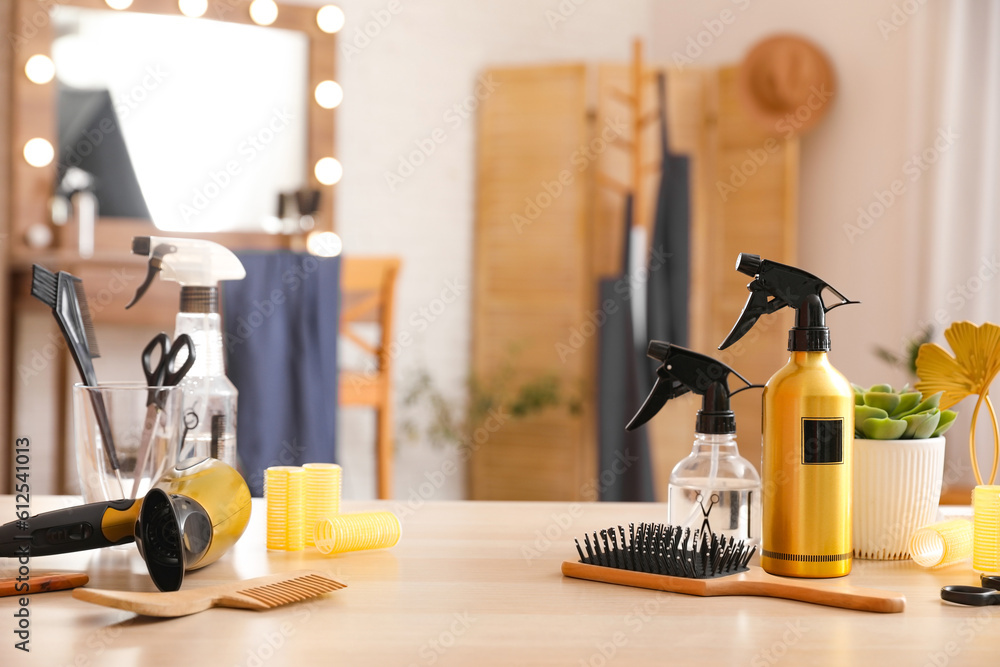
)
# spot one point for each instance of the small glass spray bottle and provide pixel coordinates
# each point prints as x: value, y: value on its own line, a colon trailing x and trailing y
x: 714, y: 489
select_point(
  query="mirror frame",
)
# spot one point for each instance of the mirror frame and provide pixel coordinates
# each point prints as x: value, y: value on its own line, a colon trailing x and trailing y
x: 33, y: 114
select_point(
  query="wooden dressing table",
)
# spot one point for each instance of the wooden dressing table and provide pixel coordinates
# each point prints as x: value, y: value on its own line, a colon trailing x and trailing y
x: 478, y: 583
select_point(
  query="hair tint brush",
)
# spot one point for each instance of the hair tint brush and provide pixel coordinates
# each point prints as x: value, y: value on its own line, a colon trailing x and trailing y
x: 662, y: 558
x: 64, y: 294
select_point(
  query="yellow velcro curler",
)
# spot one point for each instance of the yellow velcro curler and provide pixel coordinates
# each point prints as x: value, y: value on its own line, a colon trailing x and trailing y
x: 354, y: 532
x: 942, y: 543
x: 284, y: 489
x: 295, y: 510
x: 986, y: 519
x: 323, y: 482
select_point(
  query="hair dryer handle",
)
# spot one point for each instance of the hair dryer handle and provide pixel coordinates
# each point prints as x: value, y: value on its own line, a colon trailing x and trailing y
x: 78, y: 528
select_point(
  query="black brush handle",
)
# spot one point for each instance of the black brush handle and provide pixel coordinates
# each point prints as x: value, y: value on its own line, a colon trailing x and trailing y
x: 68, y: 315
x: 78, y: 528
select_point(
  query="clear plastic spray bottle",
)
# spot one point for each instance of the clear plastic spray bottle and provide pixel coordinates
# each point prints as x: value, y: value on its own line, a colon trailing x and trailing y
x: 209, y: 395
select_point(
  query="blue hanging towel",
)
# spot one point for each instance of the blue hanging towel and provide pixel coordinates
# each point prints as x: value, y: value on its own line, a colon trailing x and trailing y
x: 281, y: 324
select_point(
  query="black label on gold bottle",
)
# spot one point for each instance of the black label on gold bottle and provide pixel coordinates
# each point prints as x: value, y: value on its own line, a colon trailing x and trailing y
x: 822, y: 441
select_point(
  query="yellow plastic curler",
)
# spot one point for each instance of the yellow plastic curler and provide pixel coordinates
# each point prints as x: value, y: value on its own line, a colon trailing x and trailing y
x: 986, y: 519
x: 295, y: 507
x: 284, y: 489
x: 276, y: 494
x: 354, y: 532
x: 942, y: 543
x: 323, y: 481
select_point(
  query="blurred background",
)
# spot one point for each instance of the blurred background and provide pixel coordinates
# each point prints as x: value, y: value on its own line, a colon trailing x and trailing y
x: 492, y: 147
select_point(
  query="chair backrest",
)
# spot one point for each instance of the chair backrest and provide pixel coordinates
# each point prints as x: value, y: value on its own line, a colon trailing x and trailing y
x: 367, y: 288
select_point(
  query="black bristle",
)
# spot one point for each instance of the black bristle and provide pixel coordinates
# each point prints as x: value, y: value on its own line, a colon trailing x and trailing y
x: 626, y: 550
x: 608, y: 562
x: 643, y: 538
x: 669, y: 550
x: 43, y: 285
x: 88, y: 322
x: 632, y: 555
x: 723, y: 555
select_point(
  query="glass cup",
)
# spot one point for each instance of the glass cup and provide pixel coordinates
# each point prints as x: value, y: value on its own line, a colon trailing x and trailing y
x: 128, y: 418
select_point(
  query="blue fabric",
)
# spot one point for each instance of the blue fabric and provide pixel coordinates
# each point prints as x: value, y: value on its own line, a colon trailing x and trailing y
x: 281, y: 325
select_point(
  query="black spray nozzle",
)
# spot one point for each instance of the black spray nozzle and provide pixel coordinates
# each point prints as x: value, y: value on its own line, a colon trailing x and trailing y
x: 141, y: 246
x: 681, y: 371
x: 775, y: 286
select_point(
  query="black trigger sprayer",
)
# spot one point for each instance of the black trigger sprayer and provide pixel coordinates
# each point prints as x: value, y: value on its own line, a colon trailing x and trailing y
x: 808, y: 428
x: 775, y: 286
x: 714, y: 489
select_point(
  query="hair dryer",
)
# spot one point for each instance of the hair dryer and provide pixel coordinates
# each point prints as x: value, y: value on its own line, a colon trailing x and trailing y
x: 190, y: 518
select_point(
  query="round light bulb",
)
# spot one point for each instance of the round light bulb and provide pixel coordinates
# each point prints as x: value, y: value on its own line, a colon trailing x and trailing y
x: 38, y: 152
x: 329, y: 94
x: 328, y: 171
x: 324, y: 244
x: 40, y: 69
x: 193, y: 8
x: 118, y: 4
x: 263, y: 12
x: 330, y: 18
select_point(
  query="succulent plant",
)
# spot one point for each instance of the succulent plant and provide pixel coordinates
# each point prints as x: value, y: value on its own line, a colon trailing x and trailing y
x: 881, y: 413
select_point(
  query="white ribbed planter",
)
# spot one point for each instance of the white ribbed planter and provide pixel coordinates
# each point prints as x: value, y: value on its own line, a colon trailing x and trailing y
x: 897, y: 486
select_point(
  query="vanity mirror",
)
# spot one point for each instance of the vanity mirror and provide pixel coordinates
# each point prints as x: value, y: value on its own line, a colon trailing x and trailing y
x: 190, y: 115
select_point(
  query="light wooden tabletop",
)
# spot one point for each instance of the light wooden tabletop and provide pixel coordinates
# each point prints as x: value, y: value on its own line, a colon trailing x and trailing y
x: 479, y: 584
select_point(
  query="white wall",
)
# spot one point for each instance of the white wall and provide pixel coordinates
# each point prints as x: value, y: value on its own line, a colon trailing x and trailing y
x: 398, y: 89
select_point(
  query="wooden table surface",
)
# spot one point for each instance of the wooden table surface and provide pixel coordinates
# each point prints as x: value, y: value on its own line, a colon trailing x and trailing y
x: 479, y: 584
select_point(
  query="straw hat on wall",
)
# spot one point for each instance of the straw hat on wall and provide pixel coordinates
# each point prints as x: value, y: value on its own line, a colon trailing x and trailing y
x: 786, y: 83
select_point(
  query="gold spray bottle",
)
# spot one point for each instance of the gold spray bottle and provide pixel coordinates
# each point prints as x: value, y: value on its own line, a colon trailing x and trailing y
x: 808, y: 429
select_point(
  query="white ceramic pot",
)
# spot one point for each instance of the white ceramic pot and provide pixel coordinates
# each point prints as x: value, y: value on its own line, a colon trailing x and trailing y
x: 897, y: 486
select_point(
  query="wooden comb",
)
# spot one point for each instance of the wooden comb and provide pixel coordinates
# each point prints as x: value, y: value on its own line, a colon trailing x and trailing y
x: 257, y: 594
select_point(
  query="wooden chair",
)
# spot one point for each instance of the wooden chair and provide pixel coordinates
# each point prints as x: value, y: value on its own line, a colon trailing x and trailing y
x: 367, y: 287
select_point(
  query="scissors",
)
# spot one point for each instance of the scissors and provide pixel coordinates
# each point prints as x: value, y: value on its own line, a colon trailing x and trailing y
x: 975, y: 596
x: 164, y: 374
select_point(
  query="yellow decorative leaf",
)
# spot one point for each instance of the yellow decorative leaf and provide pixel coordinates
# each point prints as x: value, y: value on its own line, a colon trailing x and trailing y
x: 977, y: 351
x: 971, y: 371
x: 939, y: 371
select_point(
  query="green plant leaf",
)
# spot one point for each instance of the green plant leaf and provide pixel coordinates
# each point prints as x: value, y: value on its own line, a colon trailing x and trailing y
x: 912, y: 422
x: 947, y: 421
x: 882, y: 400
x: 883, y: 429
x: 882, y: 388
x: 859, y: 399
x: 907, y: 402
x: 927, y: 404
x: 927, y: 428
x: 921, y: 424
x: 863, y: 412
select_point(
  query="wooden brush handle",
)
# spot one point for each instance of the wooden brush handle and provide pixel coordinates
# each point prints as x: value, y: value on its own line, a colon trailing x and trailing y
x: 832, y: 593
x: 43, y: 583
x: 753, y: 582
